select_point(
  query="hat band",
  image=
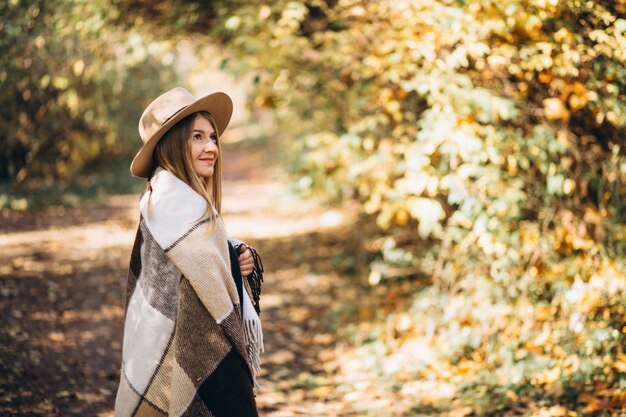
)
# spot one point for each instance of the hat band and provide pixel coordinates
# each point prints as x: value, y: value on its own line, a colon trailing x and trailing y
x: 177, y: 111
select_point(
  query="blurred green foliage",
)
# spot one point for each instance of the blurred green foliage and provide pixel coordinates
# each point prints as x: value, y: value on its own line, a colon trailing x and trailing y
x: 73, y: 89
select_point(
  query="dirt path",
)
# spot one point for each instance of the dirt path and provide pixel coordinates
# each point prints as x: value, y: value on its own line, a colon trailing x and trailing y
x: 62, y: 281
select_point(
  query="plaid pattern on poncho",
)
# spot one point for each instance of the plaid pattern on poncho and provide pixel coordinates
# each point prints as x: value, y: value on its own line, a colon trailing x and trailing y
x: 188, y: 350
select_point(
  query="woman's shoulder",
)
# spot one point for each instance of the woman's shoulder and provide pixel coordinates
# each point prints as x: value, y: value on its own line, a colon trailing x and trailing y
x: 173, y: 193
x: 170, y: 208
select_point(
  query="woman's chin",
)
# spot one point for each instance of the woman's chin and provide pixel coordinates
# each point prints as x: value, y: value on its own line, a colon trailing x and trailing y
x: 205, y: 172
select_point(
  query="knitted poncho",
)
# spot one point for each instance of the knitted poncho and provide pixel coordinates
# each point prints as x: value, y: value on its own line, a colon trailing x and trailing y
x: 189, y: 348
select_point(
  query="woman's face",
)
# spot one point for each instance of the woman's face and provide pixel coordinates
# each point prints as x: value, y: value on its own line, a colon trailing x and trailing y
x: 204, y: 151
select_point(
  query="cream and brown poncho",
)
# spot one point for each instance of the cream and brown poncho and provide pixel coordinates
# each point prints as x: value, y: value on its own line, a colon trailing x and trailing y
x: 189, y: 348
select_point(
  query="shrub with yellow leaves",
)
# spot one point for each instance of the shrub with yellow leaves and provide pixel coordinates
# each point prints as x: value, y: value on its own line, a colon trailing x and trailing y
x: 495, y: 128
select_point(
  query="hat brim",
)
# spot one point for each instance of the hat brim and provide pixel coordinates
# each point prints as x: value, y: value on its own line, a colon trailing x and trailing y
x: 219, y: 105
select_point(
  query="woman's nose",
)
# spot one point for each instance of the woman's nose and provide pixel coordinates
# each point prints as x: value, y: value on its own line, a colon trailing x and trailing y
x: 210, y: 146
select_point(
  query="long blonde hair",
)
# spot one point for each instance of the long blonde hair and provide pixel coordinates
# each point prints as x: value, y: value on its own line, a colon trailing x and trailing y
x: 173, y: 153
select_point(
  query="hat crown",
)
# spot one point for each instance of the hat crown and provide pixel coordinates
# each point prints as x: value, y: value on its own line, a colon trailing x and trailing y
x: 162, y: 109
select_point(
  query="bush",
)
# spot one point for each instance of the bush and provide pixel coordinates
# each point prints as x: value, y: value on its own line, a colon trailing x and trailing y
x: 73, y: 88
x: 494, y: 128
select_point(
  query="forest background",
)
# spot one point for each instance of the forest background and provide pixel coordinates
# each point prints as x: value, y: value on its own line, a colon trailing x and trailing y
x: 482, y: 142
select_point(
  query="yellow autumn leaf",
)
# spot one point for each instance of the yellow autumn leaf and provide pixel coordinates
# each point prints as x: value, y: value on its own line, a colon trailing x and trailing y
x: 402, y: 217
x: 620, y: 363
x: 549, y: 376
x: 554, y: 109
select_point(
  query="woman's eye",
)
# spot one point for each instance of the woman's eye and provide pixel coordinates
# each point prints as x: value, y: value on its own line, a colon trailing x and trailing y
x: 197, y: 137
x: 214, y: 138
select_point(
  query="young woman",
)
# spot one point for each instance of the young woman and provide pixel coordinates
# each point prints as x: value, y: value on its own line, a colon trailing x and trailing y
x: 192, y: 335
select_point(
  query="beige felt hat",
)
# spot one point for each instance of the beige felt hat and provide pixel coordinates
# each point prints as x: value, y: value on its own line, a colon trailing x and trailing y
x: 167, y: 110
